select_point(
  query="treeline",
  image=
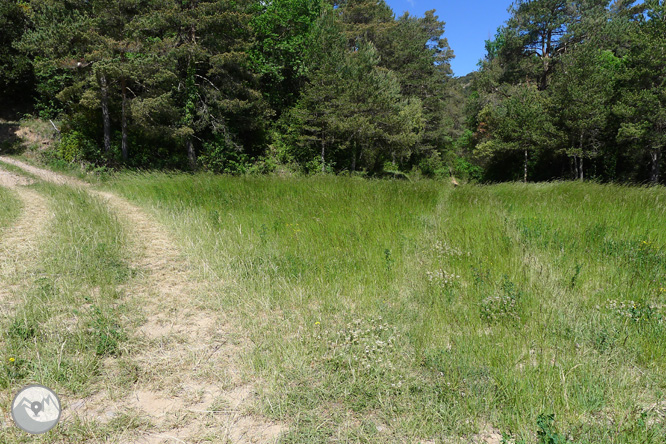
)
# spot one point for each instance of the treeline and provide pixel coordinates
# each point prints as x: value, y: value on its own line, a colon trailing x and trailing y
x: 573, y: 89
x: 233, y: 85
x: 568, y: 89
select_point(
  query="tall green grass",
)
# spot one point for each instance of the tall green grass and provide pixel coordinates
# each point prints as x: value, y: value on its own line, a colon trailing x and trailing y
x: 386, y: 311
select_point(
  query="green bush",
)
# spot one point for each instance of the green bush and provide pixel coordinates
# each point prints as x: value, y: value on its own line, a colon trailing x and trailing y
x: 314, y: 166
x: 438, y: 166
x: 75, y: 147
x: 546, y: 433
x: 466, y: 170
x: 263, y: 165
x: 432, y: 165
x: 223, y: 156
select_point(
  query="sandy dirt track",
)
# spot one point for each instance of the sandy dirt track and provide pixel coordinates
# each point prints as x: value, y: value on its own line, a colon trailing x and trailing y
x: 190, y: 386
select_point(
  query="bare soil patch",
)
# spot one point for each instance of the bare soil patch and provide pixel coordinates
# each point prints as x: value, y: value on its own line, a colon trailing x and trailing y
x: 46, y: 175
x: 19, y: 244
x: 11, y: 180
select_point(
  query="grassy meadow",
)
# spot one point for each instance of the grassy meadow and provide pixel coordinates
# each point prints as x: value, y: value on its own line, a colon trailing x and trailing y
x: 385, y: 311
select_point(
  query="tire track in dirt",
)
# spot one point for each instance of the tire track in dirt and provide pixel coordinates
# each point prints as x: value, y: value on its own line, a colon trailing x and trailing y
x: 188, y: 384
x: 19, y: 243
x: 46, y: 175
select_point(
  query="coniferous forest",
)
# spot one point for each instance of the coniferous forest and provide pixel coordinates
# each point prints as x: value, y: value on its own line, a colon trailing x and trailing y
x: 568, y: 89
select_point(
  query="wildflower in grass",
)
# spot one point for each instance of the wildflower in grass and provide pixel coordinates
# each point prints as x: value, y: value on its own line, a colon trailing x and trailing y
x: 633, y: 311
x: 497, y: 307
x: 503, y: 304
x: 366, y: 347
x: 444, y: 249
x: 317, y: 323
x: 11, y: 359
x: 441, y: 277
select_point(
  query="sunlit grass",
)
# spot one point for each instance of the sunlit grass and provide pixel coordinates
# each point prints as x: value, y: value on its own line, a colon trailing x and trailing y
x: 9, y: 207
x: 385, y: 311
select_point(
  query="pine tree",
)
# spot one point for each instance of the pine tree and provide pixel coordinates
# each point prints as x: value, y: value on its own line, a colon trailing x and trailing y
x: 519, y: 122
x: 282, y: 29
x: 643, y: 105
x: 366, y: 21
x: 214, y: 92
x: 352, y: 106
x: 583, y: 89
x: 420, y: 56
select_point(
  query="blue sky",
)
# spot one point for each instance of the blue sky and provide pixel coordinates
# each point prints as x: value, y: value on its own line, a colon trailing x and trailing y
x: 468, y: 25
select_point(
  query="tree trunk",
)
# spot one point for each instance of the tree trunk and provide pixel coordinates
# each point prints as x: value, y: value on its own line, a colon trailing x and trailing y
x: 106, y: 117
x: 655, y: 156
x: 124, y: 147
x: 360, y: 155
x: 580, y: 164
x: 190, y: 110
x: 323, y: 153
x: 543, y: 82
x: 525, y: 169
x: 191, y: 155
x: 546, y: 45
x: 353, y: 165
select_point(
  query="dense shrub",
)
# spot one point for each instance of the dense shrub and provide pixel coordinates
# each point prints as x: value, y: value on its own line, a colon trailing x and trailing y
x: 75, y: 146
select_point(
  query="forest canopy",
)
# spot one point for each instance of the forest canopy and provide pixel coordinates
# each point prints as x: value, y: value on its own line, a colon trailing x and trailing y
x: 567, y: 89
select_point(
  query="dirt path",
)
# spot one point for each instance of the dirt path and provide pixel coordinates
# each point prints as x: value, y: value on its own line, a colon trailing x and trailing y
x: 19, y: 243
x: 46, y: 175
x: 188, y: 383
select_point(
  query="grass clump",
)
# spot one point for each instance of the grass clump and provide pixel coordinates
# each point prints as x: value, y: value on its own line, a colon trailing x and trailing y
x: 503, y: 305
